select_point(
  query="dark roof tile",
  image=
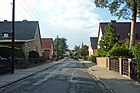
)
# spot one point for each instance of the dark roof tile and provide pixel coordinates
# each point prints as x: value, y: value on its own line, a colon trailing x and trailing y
x: 24, y: 30
x: 123, y: 28
x: 94, y: 41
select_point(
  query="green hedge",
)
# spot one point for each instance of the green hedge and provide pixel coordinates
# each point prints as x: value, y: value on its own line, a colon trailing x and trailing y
x: 6, y: 52
x: 33, y: 54
x: 119, y: 52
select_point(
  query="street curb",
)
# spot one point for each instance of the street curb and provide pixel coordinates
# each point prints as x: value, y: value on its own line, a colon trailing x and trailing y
x: 30, y: 74
x: 99, y: 79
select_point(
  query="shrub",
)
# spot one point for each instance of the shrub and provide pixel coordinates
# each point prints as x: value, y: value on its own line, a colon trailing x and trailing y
x: 19, y: 53
x: 100, y: 52
x: 92, y: 59
x: 6, y: 52
x: 119, y: 51
x: 33, y: 54
x: 136, y: 52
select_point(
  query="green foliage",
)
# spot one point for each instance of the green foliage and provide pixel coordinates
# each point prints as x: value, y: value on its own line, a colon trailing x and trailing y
x: 60, y: 46
x: 119, y: 52
x: 76, y: 47
x: 33, y: 54
x: 119, y: 8
x: 19, y: 53
x: 109, y: 38
x: 92, y: 59
x: 137, y: 57
x: 83, y: 51
x: 6, y: 51
x: 100, y: 52
x: 126, y: 44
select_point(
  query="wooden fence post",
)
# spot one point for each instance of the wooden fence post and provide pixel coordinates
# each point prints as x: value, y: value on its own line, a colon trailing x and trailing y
x: 108, y: 63
x: 129, y: 68
x: 120, y: 66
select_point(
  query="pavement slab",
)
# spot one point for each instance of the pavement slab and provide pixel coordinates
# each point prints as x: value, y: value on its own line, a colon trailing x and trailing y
x: 113, y: 80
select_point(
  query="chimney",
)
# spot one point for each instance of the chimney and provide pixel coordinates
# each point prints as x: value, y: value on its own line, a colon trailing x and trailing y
x: 113, y: 21
x: 24, y: 20
x: 5, y: 20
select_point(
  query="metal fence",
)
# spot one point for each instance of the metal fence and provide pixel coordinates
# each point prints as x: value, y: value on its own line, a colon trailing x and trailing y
x: 19, y: 63
x: 5, y: 65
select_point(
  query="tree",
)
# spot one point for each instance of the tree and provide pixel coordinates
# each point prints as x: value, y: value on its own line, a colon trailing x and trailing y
x: 60, y: 46
x: 76, y: 47
x: 83, y: 51
x: 124, y: 9
x: 109, y: 38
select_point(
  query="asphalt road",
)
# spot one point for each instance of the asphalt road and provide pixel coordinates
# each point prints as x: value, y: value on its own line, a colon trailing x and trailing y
x: 69, y: 76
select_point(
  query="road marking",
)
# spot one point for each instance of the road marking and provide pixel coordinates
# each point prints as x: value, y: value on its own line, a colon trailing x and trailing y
x: 72, y: 74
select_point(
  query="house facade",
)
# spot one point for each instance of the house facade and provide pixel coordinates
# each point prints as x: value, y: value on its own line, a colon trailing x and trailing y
x: 123, y: 28
x: 92, y: 47
x: 47, y: 47
x: 27, y: 35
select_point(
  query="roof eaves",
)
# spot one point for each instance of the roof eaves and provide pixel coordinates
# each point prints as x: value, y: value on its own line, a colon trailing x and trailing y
x: 16, y: 40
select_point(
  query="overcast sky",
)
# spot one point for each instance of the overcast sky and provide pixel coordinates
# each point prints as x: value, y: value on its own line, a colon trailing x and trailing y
x: 76, y: 20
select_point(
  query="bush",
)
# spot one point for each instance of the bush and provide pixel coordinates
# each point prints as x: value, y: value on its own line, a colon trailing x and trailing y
x: 100, y: 52
x: 33, y: 54
x: 136, y: 52
x: 92, y: 59
x: 19, y: 53
x: 119, y: 51
x: 6, y: 52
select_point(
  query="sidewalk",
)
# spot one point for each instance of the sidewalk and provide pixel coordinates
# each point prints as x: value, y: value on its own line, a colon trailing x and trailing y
x: 112, y: 80
x: 20, y: 74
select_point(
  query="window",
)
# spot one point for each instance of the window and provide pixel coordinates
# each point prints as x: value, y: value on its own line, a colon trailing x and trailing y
x: 6, y: 35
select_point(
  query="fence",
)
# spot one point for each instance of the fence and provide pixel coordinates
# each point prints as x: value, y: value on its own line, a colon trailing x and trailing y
x: 114, y: 64
x: 5, y: 65
x: 19, y: 63
x: 27, y: 63
x: 123, y: 66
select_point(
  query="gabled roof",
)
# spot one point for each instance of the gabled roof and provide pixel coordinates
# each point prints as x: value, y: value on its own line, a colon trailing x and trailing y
x: 94, y: 41
x: 123, y: 28
x: 47, y: 43
x: 24, y: 30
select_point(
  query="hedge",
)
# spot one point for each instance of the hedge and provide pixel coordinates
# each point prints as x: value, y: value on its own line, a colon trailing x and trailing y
x: 6, y: 52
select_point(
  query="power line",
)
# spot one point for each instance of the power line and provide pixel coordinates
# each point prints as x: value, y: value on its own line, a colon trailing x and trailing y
x: 36, y: 15
x: 30, y: 14
x: 45, y: 22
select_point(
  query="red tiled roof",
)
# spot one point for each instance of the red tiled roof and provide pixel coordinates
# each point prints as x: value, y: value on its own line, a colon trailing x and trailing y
x: 47, y: 43
x: 123, y: 28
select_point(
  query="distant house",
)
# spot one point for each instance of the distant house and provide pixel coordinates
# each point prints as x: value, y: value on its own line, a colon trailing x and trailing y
x: 27, y: 35
x: 92, y: 45
x: 123, y: 28
x: 47, y: 47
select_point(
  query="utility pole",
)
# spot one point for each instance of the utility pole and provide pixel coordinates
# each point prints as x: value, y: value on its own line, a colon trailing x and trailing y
x: 57, y: 48
x: 13, y: 36
x: 133, y: 23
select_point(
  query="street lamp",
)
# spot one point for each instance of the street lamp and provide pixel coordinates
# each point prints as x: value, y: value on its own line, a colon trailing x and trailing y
x: 13, y: 36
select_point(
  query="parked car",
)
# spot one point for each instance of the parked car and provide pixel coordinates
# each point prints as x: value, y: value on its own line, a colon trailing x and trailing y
x: 75, y: 58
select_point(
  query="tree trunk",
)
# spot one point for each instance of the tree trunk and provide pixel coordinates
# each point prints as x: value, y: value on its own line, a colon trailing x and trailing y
x: 133, y: 32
